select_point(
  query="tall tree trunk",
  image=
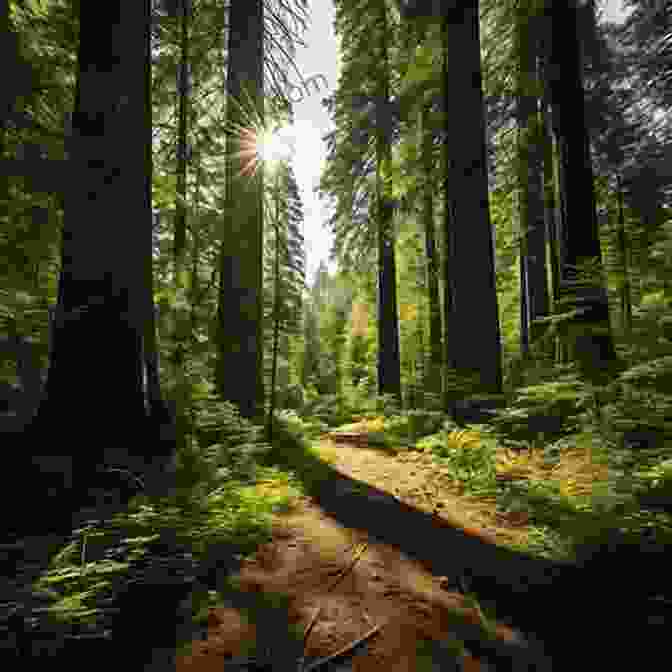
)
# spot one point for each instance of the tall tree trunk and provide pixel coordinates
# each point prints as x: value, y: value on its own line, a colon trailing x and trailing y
x: 433, y: 378
x: 550, y: 205
x: 8, y: 56
x: 181, y: 396
x: 474, y: 334
x: 195, y: 285
x: 623, y: 249
x: 276, y: 309
x: 180, y: 231
x: 162, y: 429
x: 284, y: 374
x: 588, y: 336
x: 524, y: 304
x: 389, y: 361
x: 239, y: 366
x: 94, y: 393
x: 449, y: 361
x: 531, y: 204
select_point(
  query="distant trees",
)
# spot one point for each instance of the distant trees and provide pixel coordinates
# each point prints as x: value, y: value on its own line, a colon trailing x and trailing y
x: 285, y: 276
x: 433, y: 380
x: 364, y: 217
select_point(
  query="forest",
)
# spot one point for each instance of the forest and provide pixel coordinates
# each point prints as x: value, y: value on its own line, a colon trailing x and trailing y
x: 448, y: 448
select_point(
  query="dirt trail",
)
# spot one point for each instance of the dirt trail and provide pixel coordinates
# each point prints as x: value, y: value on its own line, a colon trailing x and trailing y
x: 360, y: 581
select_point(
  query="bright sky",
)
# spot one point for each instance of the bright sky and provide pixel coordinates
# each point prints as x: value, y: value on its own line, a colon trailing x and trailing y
x: 320, y: 58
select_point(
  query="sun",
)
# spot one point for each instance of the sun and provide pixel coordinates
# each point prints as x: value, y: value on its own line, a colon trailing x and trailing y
x: 299, y: 143
x: 277, y: 145
x: 268, y: 146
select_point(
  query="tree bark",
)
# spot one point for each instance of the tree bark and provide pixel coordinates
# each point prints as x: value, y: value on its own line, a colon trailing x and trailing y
x: 623, y: 249
x: 474, y: 334
x: 181, y: 395
x: 524, y: 304
x: 588, y: 335
x: 389, y: 361
x: 276, y: 311
x: 531, y: 206
x: 550, y: 204
x: 433, y: 379
x: 94, y: 393
x: 239, y: 366
x: 162, y: 427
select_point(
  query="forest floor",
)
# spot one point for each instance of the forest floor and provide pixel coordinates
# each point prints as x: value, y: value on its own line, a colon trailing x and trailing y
x: 380, y: 549
x: 377, y: 552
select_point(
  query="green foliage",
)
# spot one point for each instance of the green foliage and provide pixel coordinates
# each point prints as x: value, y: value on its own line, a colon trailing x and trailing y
x: 295, y: 397
x: 653, y: 486
x: 211, y: 507
x: 357, y: 359
x: 330, y: 409
x: 459, y: 385
x: 396, y: 431
x: 550, y: 410
x: 423, y: 422
x: 473, y: 465
x: 432, y: 443
x: 387, y: 404
x: 299, y: 426
x: 405, y: 429
x: 362, y: 398
x: 225, y: 440
x: 293, y: 452
x: 433, y: 402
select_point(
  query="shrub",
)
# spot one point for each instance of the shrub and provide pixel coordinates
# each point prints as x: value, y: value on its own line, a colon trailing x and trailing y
x: 226, y: 445
x: 545, y: 411
x: 311, y: 428
x: 471, y: 458
x: 388, y: 404
x: 422, y: 422
x: 331, y: 409
x: 653, y: 487
x: 393, y: 431
x: 295, y: 397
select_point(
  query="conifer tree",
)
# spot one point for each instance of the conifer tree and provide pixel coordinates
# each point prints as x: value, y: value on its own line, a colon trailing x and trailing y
x: 472, y: 335
x: 358, y: 174
x: 239, y: 368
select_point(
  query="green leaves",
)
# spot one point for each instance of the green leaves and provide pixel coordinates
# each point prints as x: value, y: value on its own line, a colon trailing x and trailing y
x: 421, y: 68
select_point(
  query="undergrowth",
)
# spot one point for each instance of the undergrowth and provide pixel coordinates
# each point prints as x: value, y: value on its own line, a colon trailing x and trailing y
x: 221, y: 506
x: 590, y: 468
x: 586, y: 465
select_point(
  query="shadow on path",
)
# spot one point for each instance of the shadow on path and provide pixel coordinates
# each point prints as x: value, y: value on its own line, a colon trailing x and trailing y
x: 582, y: 616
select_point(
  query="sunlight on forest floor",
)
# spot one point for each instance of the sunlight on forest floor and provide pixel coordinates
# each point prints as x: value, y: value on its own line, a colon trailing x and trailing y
x: 292, y: 549
x: 345, y: 582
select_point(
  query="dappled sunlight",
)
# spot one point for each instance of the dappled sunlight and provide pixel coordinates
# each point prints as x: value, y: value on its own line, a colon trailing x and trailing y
x: 344, y: 583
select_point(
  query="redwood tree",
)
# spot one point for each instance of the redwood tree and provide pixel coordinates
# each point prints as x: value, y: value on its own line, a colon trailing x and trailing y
x: 389, y: 361
x: 95, y: 401
x: 473, y: 343
x: 239, y: 366
x: 587, y: 335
